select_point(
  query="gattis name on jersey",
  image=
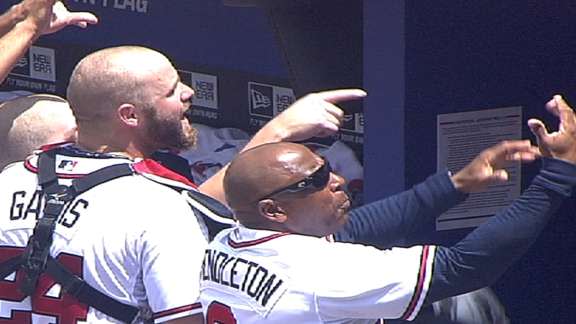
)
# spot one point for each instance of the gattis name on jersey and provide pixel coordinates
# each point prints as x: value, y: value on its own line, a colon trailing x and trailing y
x: 26, y: 208
x: 260, y: 286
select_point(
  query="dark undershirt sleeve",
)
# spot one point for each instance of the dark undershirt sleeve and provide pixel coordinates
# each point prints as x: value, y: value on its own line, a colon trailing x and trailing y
x: 484, y: 254
x: 394, y: 220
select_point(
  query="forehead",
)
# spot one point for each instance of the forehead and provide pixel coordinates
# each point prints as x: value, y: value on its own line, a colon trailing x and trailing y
x: 299, y: 162
x: 161, y: 79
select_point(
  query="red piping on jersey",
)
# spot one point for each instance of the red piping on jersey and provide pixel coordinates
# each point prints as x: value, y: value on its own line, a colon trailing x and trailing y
x: 155, y: 168
x: 34, y: 169
x: 177, y: 310
x: 51, y: 146
x: 419, y: 284
x: 238, y: 245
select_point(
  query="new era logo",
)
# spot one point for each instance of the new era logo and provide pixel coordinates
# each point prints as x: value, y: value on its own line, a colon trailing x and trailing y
x: 268, y: 100
x: 259, y: 100
x: 260, y: 97
x: 39, y: 63
x: 22, y: 62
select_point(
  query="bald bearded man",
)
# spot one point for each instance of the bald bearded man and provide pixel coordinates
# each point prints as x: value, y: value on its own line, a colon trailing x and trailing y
x: 134, y: 230
x: 27, y: 123
x: 277, y: 265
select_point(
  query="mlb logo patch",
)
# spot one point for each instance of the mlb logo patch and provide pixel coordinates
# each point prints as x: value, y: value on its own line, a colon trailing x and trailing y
x: 67, y: 165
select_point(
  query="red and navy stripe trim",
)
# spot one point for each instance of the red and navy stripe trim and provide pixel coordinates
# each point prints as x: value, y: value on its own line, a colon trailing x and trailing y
x: 177, y: 310
x: 157, y: 169
x: 422, y: 275
x: 52, y: 146
x: 238, y: 245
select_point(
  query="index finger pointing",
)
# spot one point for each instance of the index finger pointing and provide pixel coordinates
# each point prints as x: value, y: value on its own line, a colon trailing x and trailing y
x: 335, y: 96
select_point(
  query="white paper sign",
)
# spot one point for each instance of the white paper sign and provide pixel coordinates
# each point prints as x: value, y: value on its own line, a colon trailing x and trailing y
x: 461, y: 136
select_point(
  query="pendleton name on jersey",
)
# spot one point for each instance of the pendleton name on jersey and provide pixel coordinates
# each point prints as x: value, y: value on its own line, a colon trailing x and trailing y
x: 258, y: 276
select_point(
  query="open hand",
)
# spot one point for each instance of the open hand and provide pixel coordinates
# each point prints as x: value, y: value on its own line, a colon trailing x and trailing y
x: 562, y: 143
x: 61, y: 18
x: 50, y: 16
x: 488, y: 167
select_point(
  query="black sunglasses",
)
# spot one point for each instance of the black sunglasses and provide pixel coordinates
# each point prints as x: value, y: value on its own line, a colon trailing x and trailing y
x: 317, y: 180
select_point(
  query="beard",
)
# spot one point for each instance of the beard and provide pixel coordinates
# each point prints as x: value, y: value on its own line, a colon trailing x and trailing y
x: 170, y: 134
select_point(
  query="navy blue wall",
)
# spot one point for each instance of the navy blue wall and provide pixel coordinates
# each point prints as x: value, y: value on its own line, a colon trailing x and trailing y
x: 469, y: 55
x: 421, y: 58
x: 203, y: 32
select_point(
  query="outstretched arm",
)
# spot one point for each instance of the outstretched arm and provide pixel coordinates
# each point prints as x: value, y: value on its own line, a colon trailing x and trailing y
x: 313, y: 115
x: 23, y: 23
x: 393, y: 221
x: 480, y: 258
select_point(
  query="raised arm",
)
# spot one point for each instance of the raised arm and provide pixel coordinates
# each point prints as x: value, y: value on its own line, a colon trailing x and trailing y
x: 480, y: 258
x: 23, y: 23
x: 314, y: 115
x: 393, y: 221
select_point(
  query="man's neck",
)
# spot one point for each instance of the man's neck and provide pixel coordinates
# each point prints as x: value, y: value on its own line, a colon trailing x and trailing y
x: 126, y: 150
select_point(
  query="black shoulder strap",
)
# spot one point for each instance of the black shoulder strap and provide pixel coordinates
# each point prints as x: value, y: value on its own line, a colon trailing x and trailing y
x: 216, y: 215
x: 36, y: 258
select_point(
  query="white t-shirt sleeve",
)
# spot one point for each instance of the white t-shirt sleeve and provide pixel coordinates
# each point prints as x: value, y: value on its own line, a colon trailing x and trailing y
x: 172, y: 252
x: 363, y: 282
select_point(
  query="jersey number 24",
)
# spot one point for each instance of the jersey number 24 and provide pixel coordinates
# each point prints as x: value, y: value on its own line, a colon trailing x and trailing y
x: 48, y: 299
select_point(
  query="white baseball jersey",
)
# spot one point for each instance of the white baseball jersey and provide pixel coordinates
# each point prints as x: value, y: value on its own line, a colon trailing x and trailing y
x: 257, y: 276
x: 131, y: 238
x: 214, y: 149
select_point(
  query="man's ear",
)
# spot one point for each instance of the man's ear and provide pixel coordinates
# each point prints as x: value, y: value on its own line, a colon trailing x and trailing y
x: 271, y: 210
x: 129, y: 115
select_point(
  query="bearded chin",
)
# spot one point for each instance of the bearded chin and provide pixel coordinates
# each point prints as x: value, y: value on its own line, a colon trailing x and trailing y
x: 175, y: 138
x: 189, y: 137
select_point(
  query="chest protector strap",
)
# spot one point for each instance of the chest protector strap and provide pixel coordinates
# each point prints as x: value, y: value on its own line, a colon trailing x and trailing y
x: 36, y: 258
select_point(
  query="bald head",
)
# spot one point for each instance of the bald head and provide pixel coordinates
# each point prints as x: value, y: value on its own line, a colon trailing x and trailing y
x: 264, y: 169
x: 27, y: 123
x: 106, y: 79
x: 130, y: 99
x: 286, y: 187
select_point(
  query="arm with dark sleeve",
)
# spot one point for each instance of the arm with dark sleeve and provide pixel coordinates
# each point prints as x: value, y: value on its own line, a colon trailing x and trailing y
x: 482, y: 256
x: 390, y: 221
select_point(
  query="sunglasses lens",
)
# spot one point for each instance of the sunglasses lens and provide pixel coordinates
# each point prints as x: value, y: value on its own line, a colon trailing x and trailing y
x: 322, y: 176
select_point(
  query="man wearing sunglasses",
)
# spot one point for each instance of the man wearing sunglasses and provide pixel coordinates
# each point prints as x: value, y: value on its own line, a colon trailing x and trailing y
x: 277, y: 266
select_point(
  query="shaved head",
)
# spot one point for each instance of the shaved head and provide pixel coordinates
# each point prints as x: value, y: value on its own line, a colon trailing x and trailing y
x: 106, y: 79
x: 26, y: 123
x: 130, y: 99
x: 255, y: 187
x: 263, y: 169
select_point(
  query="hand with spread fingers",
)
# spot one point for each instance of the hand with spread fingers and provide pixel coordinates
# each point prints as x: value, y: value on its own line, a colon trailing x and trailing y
x: 61, y: 18
x: 560, y: 144
x: 488, y: 167
x: 24, y: 22
x: 315, y: 114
